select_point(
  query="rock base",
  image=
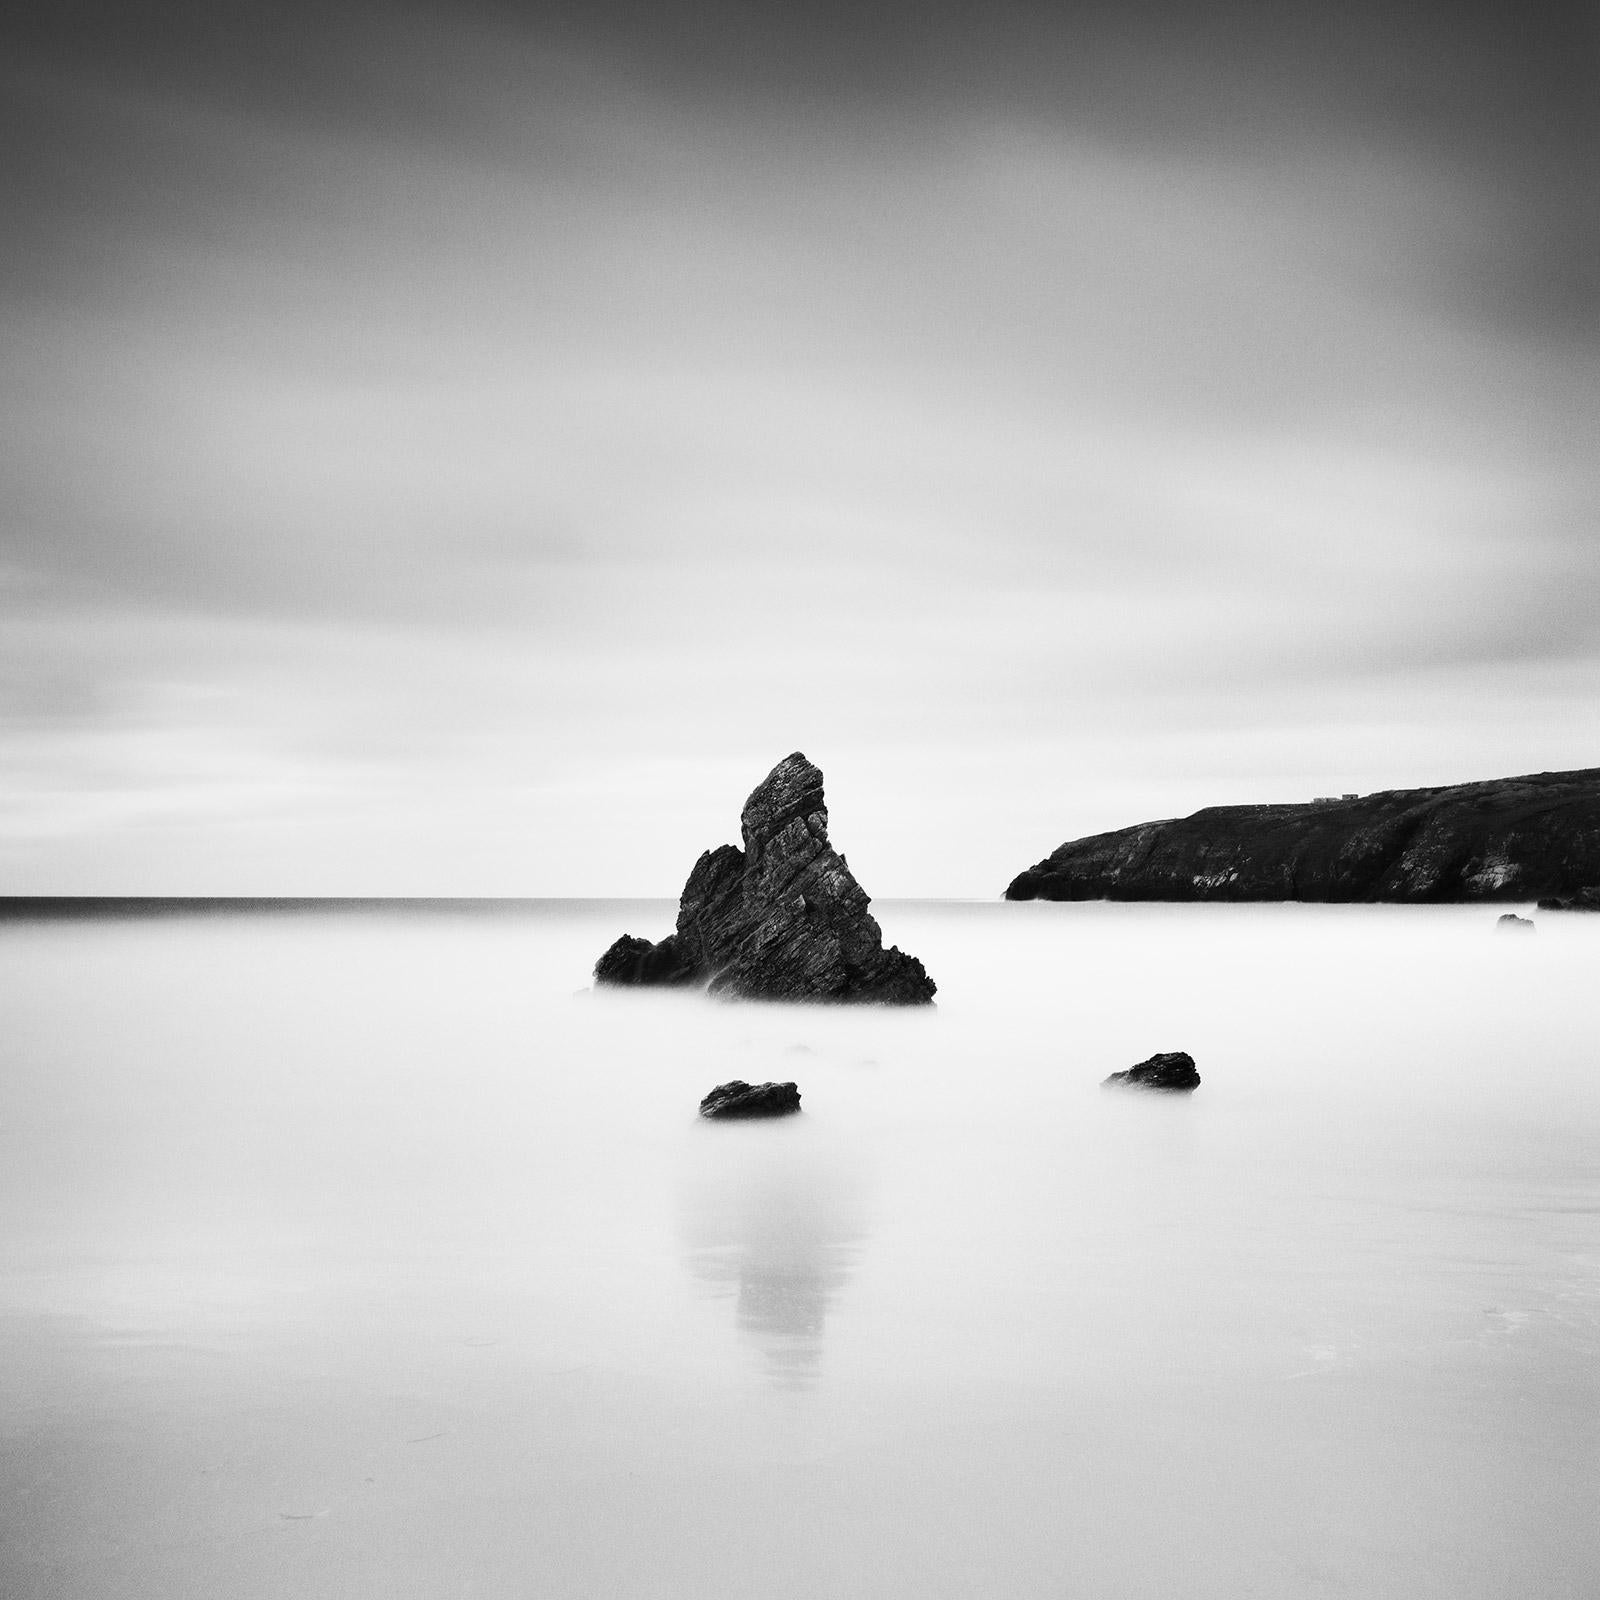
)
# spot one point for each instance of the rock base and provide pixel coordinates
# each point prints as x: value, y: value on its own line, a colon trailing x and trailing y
x: 1586, y: 899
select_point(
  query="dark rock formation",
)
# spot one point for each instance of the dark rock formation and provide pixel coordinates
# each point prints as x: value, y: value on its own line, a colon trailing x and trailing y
x: 1585, y: 899
x: 741, y: 1099
x: 1173, y: 1069
x: 1510, y: 923
x: 781, y: 919
x: 1508, y: 839
x: 637, y: 961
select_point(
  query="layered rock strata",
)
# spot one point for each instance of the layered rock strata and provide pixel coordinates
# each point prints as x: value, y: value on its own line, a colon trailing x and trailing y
x: 781, y: 919
x: 1506, y: 839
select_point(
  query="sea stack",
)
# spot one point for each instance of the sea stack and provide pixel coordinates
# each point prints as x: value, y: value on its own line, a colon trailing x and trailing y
x: 781, y: 919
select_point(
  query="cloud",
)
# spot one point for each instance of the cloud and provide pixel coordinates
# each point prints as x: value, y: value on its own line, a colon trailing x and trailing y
x: 482, y: 425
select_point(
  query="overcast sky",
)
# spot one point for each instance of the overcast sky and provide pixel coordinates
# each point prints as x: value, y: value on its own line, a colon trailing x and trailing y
x: 460, y: 449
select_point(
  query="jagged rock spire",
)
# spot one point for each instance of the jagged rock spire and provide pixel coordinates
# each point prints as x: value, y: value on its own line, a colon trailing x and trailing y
x: 781, y: 919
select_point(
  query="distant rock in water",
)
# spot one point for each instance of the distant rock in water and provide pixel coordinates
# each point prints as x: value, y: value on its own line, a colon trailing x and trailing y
x: 1173, y: 1069
x: 741, y: 1099
x: 1510, y: 923
x: 1585, y: 899
x: 1506, y: 839
x: 782, y: 919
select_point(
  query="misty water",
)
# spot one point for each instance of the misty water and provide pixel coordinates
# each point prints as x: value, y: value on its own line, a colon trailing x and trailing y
x: 367, y: 1253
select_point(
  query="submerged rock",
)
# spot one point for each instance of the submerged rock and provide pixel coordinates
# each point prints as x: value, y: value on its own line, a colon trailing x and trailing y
x: 1511, y: 923
x: 1172, y: 1069
x: 1505, y: 839
x: 741, y: 1099
x: 781, y: 919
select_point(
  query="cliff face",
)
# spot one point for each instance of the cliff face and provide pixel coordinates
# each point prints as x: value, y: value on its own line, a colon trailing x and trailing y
x: 1506, y: 839
x: 781, y: 919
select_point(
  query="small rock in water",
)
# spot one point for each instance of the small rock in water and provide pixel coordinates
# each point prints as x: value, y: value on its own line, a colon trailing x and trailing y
x: 1172, y: 1069
x: 1511, y: 923
x: 741, y: 1099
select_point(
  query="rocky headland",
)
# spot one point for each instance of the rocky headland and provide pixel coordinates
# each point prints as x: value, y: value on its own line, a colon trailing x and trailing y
x: 781, y: 919
x: 1526, y: 838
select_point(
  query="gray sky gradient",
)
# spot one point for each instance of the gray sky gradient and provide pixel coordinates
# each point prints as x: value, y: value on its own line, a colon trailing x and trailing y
x: 459, y: 450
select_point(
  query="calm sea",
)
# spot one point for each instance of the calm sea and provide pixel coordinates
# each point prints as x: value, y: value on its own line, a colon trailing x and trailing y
x: 364, y: 1252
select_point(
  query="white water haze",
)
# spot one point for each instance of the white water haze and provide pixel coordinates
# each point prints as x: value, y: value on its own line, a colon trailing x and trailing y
x: 367, y: 1254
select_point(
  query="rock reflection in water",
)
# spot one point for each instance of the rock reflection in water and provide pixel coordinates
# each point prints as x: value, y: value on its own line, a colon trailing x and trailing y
x: 773, y: 1217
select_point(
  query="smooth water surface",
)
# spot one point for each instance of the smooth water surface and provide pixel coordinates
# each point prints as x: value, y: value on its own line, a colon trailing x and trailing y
x: 367, y: 1253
